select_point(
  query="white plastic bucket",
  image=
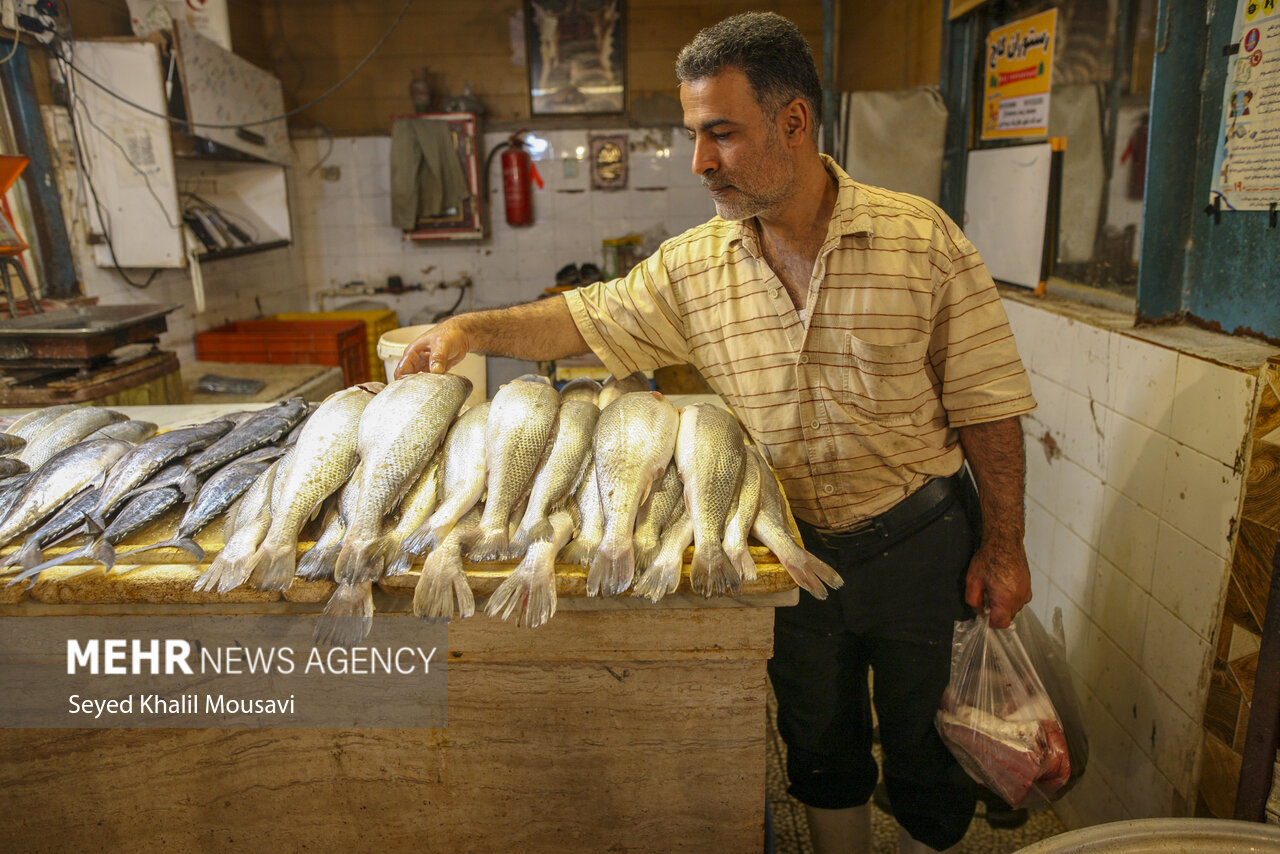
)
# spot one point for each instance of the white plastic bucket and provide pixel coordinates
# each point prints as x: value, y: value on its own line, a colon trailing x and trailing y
x: 1162, y: 836
x: 391, y: 347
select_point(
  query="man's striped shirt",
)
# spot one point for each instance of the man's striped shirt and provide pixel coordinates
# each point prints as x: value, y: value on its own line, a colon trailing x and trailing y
x: 903, y: 339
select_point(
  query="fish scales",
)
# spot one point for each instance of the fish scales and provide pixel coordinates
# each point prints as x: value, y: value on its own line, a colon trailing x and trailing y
x: 522, y: 419
x: 64, y: 475
x: 560, y: 474
x: 666, y: 494
x: 322, y: 460
x: 65, y: 431
x: 464, y: 466
x: 399, y: 432
x: 635, y: 438
x: 248, y: 523
x: 709, y: 454
x: 770, y: 528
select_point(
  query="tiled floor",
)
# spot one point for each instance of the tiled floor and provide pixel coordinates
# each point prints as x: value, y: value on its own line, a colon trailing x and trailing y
x: 791, y: 831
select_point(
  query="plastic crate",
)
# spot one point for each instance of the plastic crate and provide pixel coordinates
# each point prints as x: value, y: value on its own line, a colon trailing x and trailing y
x: 340, y: 343
x: 376, y: 324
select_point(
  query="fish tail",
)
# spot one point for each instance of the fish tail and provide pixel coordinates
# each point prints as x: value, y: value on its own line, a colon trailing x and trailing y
x: 808, y: 571
x: 579, y: 552
x: 745, y: 563
x: 422, y: 540
x: 443, y: 580
x: 189, y: 484
x: 611, y: 570
x: 33, y: 572
x: 488, y: 543
x: 402, y: 563
x: 184, y: 543
x: 103, y: 552
x: 645, y: 554
x: 536, y: 532
x: 271, y: 567
x: 318, y: 562
x: 208, y: 579
x: 712, y: 573
x: 28, y: 556
x: 347, y: 616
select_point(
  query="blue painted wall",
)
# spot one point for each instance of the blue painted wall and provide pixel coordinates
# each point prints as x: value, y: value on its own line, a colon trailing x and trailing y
x: 1225, y: 273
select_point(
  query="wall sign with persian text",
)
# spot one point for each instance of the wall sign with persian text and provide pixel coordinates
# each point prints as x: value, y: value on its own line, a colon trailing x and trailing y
x: 1018, y: 71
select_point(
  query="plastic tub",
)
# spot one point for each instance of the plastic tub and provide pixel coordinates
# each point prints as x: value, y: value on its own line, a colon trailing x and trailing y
x: 376, y: 324
x: 1162, y: 836
x: 391, y: 348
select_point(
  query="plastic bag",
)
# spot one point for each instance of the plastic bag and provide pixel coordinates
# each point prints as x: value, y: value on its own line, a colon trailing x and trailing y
x: 999, y: 720
x: 1048, y: 654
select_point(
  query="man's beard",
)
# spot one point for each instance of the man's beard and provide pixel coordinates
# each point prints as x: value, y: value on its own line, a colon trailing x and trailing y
x: 756, y: 189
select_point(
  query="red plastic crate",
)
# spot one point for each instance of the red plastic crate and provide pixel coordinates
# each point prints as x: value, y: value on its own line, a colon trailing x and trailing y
x: 340, y: 343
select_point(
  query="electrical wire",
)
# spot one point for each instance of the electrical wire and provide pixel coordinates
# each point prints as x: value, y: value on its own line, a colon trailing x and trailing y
x: 285, y: 115
x: 84, y: 110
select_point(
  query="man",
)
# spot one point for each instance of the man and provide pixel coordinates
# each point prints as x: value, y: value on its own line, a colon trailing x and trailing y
x: 857, y: 335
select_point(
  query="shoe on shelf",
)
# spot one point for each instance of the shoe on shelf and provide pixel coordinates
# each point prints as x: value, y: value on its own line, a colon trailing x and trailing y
x: 568, y: 276
x: 590, y: 273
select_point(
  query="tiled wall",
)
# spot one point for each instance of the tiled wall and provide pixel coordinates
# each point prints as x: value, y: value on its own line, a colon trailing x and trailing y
x: 1235, y: 660
x: 1134, y: 480
x: 345, y: 233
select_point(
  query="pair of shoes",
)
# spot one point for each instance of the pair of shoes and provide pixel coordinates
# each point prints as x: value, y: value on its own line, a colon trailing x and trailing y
x: 568, y: 276
x: 590, y: 273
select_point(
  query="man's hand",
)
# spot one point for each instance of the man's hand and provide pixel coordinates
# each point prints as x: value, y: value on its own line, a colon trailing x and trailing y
x: 998, y: 581
x: 436, y: 350
x: 998, y: 577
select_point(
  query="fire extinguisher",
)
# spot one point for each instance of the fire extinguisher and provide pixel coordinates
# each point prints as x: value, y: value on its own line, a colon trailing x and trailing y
x: 518, y: 173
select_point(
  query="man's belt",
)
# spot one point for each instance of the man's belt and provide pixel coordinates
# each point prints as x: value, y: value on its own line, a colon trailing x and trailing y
x: 908, y: 515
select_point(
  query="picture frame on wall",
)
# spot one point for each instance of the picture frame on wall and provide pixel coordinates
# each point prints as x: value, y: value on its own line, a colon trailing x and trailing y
x: 577, y: 56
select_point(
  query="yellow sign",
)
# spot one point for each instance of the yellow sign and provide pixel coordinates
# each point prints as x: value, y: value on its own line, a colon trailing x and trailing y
x: 1017, y: 72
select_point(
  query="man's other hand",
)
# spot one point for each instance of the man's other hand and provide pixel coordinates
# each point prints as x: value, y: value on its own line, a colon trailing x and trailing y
x: 999, y: 582
x: 436, y: 350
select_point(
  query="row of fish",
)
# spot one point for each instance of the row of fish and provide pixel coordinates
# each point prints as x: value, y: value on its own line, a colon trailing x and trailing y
x: 616, y: 480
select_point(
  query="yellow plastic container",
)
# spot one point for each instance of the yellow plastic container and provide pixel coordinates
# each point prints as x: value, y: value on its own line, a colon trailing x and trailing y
x: 376, y: 324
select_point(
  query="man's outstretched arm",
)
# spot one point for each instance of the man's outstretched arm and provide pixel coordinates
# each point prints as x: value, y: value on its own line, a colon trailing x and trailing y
x: 538, y: 331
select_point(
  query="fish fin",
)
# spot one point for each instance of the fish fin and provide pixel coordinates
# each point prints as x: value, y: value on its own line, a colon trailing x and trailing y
x: 443, y: 580
x: 360, y: 560
x: 190, y: 546
x: 103, y: 552
x: 645, y: 554
x: 422, y: 540
x: 487, y: 544
x: 530, y: 594
x: 539, y: 530
x: 610, y: 572
x: 208, y: 579
x: 746, y: 564
x: 318, y: 563
x: 347, y: 616
x: 28, y: 556
x: 271, y: 567
x: 806, y: 570
x: 402, y: 563
x: 712, y: 573
x: 190, y: 485
x: 34, y: 571
x: 579, y: 552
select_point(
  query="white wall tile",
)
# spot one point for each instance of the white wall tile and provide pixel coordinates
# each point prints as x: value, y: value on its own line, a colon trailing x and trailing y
x: 1056, y: 348
x: 1119, y: 607
x: 1189, y: 580
x: 1050, y: 414
x: 1038, y: 539
x: 1121, y: 687
x: 1091, y: 801
x: 1072, y: 565
x: 1201, y: 497
x: 1079, y: 499
x: 1042, y: 468
x: 1136, y: 459
x: 1176, y: 658
x: 1127, y: 537
x: 1084, y: 441
x: 1212, y: 408
x: 1091, y: 362
x: 1149, y: 793
x: 1077, y: 629
x: 1175, y: 742
x: 1143, y: 377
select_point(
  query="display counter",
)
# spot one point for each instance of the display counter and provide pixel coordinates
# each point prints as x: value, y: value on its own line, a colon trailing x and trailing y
x: 620, y: 725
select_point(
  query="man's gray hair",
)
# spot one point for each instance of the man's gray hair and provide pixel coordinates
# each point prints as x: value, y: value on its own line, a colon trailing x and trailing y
x: 769, y: 49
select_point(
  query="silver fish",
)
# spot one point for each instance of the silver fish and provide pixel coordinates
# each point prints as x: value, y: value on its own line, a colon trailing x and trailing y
x: 667, y: 564
x: 770, y: 528
x: 137, y: 466
x: 443, y: 577
x: 322, y: 459
x: 709, y: 455
x: 264, y: 427
x: 582, y: 388
x: 320, y: 559
x: 588, y: 515
x: 33, y: 422
x: 11, y: 444
x: 462, y: 478
x: 418, y: 504
x: 739, y: 524
x: 68, y: 517
x: 218, y: 493
x: 138, y: 512
x: 663, y: 499
x: 566, y: 462
x: 66, y: 431
x: 635, y: 438
x: 11, y: 489
x: 10, y: 466
x: 247, y: 524
x: 522, y: 419
x: 57, y: 481
x: 530, y: 589
x: 615, y: 388
x: 399, y: 432
x: 129, y: 431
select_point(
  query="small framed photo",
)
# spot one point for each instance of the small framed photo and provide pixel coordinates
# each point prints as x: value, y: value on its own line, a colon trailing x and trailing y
x: 610, y: 157
x: 577, y: 53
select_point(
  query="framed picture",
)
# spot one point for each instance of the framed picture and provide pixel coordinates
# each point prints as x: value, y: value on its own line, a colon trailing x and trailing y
x: 577, y: 56
x: 609, y: 159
